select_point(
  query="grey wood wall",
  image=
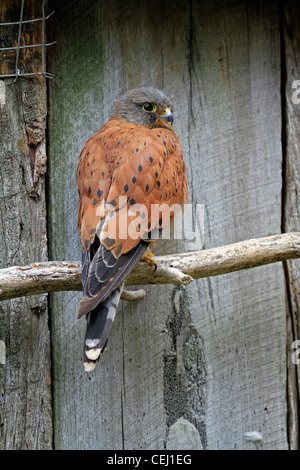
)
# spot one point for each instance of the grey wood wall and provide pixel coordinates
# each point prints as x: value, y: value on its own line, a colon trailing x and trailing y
x: 190, y: 367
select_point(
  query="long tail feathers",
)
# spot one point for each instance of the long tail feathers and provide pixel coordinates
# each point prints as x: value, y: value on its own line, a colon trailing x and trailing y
x: 99, y: 323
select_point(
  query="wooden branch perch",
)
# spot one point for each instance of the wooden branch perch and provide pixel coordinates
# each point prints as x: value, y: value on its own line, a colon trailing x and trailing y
x: 182, y: 268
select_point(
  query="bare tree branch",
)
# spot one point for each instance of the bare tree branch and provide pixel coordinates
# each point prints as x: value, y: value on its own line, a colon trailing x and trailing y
x: 181, y: 268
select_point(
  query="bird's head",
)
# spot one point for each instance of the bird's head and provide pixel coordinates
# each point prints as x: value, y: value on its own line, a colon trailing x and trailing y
x: 146, y: 106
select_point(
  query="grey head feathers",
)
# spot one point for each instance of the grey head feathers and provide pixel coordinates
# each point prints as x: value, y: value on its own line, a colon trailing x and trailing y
x: 130, y: 106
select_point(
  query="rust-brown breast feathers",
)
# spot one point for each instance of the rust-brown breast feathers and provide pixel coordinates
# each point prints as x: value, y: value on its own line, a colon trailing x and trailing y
x: 143, y: 166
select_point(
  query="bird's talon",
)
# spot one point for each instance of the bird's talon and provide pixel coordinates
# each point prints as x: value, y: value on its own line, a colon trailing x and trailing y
x: 149, y: 258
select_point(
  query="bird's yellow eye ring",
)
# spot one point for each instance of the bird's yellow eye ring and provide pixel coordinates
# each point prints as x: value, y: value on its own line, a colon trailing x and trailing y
x: 149, y: 107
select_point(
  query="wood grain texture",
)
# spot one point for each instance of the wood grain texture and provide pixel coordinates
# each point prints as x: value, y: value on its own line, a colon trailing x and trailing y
x: 212, y: 353
x: 236, y: 77
x: 291, y: 207
x: 25, y: 378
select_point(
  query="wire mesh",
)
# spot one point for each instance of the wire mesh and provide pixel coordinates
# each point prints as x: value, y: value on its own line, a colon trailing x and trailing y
x: 43, y: 45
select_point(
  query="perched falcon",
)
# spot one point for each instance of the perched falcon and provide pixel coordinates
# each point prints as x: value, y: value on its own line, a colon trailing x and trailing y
x: 132, y: 163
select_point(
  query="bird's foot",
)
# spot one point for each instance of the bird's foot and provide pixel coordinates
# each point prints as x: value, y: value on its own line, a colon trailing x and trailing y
x: 148, y: 257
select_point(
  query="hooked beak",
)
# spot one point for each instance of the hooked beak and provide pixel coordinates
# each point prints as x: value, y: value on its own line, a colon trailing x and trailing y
x: 167, y: 115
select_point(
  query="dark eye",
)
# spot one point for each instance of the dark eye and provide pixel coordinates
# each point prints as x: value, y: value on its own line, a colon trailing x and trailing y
x: 149, y: 107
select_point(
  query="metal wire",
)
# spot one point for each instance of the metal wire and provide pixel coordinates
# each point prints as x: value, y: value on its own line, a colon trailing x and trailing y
x: 19, y: 40
x: 27, y: 21
x: 26, y: 47
x: 19, y: 47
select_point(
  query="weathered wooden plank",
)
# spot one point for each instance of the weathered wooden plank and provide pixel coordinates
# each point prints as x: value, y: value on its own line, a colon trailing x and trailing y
x: 88, y: 408
x: 236, y: 81
x: 25, y: 382
x: 291, y: 209
x: 212, y: 353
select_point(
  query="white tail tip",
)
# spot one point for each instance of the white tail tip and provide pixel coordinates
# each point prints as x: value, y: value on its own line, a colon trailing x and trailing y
x: 89, y: 366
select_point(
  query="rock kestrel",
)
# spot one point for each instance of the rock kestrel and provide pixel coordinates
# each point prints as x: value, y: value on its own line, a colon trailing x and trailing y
x: 132, y: 165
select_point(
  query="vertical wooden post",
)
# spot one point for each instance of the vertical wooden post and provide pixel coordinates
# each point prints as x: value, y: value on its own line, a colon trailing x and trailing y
x: 25, y: 382
x: 291, y: 189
